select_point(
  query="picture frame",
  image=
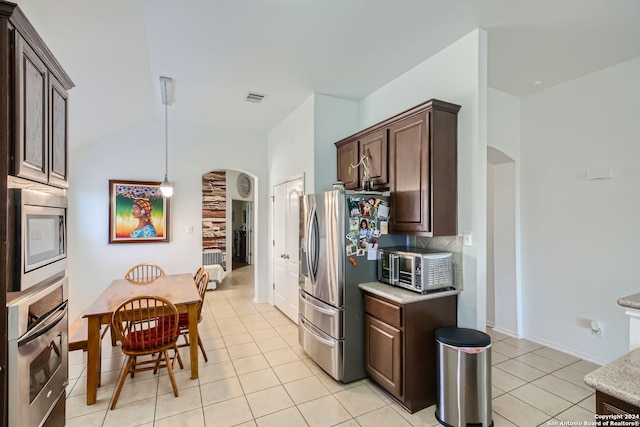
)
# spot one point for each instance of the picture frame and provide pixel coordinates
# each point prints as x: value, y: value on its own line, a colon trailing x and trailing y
x: 138, y: 212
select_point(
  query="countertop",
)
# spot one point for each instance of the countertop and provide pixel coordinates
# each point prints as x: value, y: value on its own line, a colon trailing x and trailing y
x: 631, y: 301
x: 620, y: 378
x: 403, y: 296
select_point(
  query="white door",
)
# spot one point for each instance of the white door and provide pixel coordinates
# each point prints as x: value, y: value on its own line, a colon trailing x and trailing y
x: 286, y: 234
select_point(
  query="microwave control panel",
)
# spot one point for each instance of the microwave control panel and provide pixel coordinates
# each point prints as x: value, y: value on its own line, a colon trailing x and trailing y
x: 418, y: 276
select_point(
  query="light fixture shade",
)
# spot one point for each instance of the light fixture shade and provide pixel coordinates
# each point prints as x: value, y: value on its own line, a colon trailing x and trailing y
x: 166, y: 92
x: 166, y: 188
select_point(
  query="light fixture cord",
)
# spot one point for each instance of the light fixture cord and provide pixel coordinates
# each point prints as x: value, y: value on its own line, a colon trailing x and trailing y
x: 166, y: 131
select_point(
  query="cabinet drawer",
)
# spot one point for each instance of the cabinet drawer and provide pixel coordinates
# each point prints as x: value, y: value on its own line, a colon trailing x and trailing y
x: 385, y: 311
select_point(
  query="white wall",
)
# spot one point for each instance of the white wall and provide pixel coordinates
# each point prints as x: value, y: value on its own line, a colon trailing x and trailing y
x: 503, y: 257
x: 334, y: 119
x: 456, y: 74
x: 138, y: 154
x: 580, y: 237
x: 506, y: 286
x: 491, y: 307
x: 290, y: 147
x: 302, y: 145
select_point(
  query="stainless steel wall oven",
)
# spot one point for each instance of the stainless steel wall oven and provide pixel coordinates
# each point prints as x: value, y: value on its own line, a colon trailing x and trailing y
x: 37, y: 354
x: 38, y: 239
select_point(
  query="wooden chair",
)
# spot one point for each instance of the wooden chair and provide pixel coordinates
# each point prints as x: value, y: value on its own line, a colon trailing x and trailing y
x: 141, y: 273
x: 183, y: 321
x: 144, y: 273
x: 135, y: 323
x: 199, y: 273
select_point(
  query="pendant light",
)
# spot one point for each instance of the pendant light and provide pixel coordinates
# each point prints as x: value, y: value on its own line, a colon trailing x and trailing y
x: 165, y: 88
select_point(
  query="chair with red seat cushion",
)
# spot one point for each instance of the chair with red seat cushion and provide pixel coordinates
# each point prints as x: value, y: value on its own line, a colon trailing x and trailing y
x: 183, y: 318
x: 139, y: 274
x: 135, y: 323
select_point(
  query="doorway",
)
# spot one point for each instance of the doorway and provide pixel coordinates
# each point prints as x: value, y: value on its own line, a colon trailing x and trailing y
x: 228, y: 198
x: 503, y: 294
x: 241, y: 228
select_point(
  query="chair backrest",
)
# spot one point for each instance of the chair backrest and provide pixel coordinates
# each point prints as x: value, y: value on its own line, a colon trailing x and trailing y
x: 144, y: 273
x: 145, y: 323
x: 198, y: 275
x: 202, y: 290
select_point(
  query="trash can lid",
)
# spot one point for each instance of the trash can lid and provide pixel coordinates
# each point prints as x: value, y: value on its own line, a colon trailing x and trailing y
x: 462, y: 337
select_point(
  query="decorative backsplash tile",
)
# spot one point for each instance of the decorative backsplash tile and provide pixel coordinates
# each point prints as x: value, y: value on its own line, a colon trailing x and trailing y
x: 451, y: 244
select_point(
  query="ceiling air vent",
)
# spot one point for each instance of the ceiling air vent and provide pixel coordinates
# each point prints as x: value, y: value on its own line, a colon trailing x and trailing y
x: 254, y: 97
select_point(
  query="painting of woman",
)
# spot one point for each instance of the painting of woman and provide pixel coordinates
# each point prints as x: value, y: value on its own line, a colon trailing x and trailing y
x: 141, y: 210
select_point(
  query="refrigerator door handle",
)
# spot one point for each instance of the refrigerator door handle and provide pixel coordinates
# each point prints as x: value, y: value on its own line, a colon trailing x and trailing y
x: 331, y: 313
x: 317, y: 337
x: 312, y: 245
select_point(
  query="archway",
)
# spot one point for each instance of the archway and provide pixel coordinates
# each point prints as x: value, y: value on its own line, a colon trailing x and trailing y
x: 228, y: 219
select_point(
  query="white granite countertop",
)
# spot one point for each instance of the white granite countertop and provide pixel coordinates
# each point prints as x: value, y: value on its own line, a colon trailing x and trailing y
x: 631, y: 301
x: 620, y: 378
x: 403, y: 296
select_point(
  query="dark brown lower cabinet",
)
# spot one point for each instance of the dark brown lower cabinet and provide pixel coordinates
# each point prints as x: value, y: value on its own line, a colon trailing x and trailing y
x: 609, y: 405
x: 400, y: 347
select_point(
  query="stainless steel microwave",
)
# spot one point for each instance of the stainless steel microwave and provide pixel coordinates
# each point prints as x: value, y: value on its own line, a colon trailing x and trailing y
x: 38, y: 240
x: 415, y: 269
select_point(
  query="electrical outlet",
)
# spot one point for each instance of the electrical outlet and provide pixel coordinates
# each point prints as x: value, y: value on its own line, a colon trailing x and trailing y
x: 189, y: 229
x: 597, y: 329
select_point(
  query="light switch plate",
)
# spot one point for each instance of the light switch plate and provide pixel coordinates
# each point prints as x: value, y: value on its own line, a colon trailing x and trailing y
x: 467, y: 238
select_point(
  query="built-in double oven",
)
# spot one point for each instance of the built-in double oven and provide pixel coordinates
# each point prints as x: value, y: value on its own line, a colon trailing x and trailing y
x: 37, y: 298
x: 37, y: 354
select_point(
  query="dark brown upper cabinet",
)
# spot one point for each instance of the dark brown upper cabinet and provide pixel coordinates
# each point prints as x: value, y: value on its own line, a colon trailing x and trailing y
x: 413, y: 155
x: 423, y: 159
x: 372, y: 144
x: 38, y: 107
x: 348, y: 154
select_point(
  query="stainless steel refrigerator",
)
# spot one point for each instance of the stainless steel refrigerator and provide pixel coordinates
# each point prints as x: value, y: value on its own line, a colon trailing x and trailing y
x: 340, y: 234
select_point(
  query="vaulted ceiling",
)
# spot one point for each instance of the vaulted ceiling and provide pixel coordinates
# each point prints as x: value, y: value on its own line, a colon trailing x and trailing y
x: 217, y: 51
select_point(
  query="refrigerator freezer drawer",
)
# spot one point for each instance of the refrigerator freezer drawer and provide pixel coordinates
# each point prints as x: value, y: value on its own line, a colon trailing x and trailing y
x: 323, y: 316
x: 324, y: 350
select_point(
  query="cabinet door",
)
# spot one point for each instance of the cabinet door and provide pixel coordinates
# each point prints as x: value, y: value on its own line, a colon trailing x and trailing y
x: 383, y: 354
x: 409, y: 170
x: 348, y: 154
x: 609, y: 405
x: 374, y: 145
x: 58, y: 116
x: 31, y: 144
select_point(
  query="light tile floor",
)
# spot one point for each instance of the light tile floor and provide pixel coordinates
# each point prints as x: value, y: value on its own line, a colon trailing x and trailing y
x: 257, y: 375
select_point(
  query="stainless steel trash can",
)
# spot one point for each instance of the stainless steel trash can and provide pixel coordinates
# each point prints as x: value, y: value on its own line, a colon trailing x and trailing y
x: 464, y: 377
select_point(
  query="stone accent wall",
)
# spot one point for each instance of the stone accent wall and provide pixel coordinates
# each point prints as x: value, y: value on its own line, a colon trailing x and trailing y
x: 214, y: 216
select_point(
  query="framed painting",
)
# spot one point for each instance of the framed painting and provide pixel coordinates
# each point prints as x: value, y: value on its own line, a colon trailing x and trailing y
x: 138, y: 212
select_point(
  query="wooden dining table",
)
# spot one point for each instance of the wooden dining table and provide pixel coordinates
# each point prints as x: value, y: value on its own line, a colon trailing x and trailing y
x: 180, y: 289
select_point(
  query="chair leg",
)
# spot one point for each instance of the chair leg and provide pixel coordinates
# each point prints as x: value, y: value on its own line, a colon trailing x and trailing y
x: 202, y: 349
x: 158, y: 362
x: 177, y: 356
x: 170, y: 369
x: 135, y: 360
x: 123, y: 376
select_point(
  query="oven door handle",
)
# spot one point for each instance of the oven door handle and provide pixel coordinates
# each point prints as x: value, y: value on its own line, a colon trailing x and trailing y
x: 44, y: 327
